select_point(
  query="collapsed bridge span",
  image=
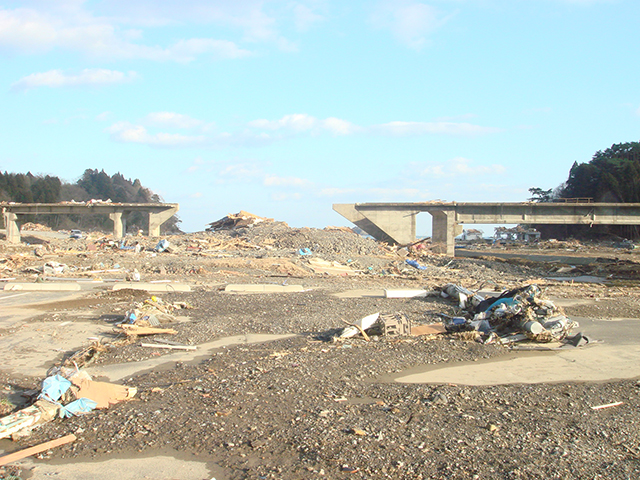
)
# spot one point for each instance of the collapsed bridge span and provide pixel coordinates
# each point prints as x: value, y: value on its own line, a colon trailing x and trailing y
x: 396, y: 222
x: 118, y: 212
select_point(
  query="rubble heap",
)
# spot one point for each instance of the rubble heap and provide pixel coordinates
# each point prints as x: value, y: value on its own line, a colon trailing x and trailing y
x: 514, y: 315
x: 237, y: 220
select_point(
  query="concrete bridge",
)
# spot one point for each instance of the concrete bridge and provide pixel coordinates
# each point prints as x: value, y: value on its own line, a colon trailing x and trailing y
x: 118, y: 212
x: 396, y: 222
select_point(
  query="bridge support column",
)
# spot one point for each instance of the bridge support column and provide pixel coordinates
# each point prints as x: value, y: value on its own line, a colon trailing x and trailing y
x: 157, y: 219
x: 119, y: 224
x: 386, y: 225
x: 444, y: 230
x: 11, y: 227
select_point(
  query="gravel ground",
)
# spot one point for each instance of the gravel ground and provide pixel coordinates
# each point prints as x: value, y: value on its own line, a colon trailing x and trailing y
x: 309, y: 407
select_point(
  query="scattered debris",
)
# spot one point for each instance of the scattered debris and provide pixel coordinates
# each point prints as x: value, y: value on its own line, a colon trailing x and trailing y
x: 65, y: 393
x: 394, y: 324
x: 169, y: 347
x: 608, y: 405
x: 238, y: 220
x: 131, y: 330
x: 43, y: 447
x: 514, y: 315
x: 332, y: 268
x: 430, y: 329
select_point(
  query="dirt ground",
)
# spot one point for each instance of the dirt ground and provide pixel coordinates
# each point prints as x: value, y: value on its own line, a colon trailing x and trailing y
x: 270, y: 394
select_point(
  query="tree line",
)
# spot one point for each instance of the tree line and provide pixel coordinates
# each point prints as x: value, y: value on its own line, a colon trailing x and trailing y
x: 93, y: 184
x: 612, y: 176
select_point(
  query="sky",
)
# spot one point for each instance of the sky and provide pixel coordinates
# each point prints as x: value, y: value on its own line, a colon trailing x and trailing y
x: 283, y: 108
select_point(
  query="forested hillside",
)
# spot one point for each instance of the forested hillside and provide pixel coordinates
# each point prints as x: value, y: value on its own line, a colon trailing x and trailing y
x: 93, y: 184
x: 612, y: 175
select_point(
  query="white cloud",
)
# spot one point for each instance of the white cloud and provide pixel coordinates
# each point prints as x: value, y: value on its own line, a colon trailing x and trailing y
x: 456, y: 167
x: 248, y: 16
x: 298, y: 122
x: 304, y: 17
x: 375, y: 193
x: 87, y: 77
x: 284, y: 128
x: 175, y: 120
x: 104, y: 116
x: 409, y: 21
x: 282, y: 197
x: 336, y: 191
x: 396, y: 192
x: 276, y: 181
x: 242, y: 171
x: 339, y: 127
x: 444, y: 128
x: 39, y: 31
x: 301, y: 122
x: 127, y: 133
x: 433, y: 171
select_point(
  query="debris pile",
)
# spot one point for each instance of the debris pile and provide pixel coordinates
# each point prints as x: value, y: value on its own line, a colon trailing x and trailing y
x: 515, y: 315
x: 34, y: 227
x: 237, y: 220
x: 146, y: 317
x: 389, y: 324
x: 65, y: 393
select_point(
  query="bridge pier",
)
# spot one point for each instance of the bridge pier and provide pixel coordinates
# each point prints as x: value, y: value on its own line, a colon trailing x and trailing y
x: 158, y: 218
x: 11, y: 227
x: 119, y: 224
x: 444, y: 230
x: 385, y: 224
x: 398, y: 225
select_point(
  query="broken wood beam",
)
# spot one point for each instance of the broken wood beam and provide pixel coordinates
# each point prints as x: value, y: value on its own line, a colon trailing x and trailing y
x: 169, y: 347
x: 43, y: 447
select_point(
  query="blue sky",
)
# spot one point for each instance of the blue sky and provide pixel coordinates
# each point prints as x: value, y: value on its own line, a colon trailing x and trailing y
x: 283, y: 108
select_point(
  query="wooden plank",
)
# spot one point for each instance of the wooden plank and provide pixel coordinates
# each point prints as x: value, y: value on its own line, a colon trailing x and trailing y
x: 43, y: 447
x: 432, y: 329
x: 137, y: 330
x: 169, y: 347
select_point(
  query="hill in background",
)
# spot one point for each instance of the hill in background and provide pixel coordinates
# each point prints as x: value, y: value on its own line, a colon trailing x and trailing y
x: 93, y: 184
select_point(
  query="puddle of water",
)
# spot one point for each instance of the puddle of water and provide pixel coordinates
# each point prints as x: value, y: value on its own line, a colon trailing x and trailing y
x: 591, y: 364
x: 618, y: 357
x: 120, y: 371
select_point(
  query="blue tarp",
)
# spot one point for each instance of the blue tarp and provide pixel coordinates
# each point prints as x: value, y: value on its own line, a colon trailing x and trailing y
x: 54, y: 387
x: 77, y: 407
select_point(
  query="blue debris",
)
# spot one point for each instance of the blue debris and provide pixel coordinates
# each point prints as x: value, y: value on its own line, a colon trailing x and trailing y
x: 415, y: 264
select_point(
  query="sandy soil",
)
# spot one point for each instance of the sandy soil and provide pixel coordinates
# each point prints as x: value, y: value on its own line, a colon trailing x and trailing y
x: 267, y: 394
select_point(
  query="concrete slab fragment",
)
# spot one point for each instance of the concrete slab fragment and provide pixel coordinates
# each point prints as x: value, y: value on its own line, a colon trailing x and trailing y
x: 43, y: 287
x: 160, y: 467
x: 331, y: 268
x: 152, y: 287
x: 263, y: 288
x: 405, y: 293
x: 360, y: 294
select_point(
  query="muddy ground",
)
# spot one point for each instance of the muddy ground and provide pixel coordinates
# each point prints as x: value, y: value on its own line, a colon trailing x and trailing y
x: 297, y: 404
